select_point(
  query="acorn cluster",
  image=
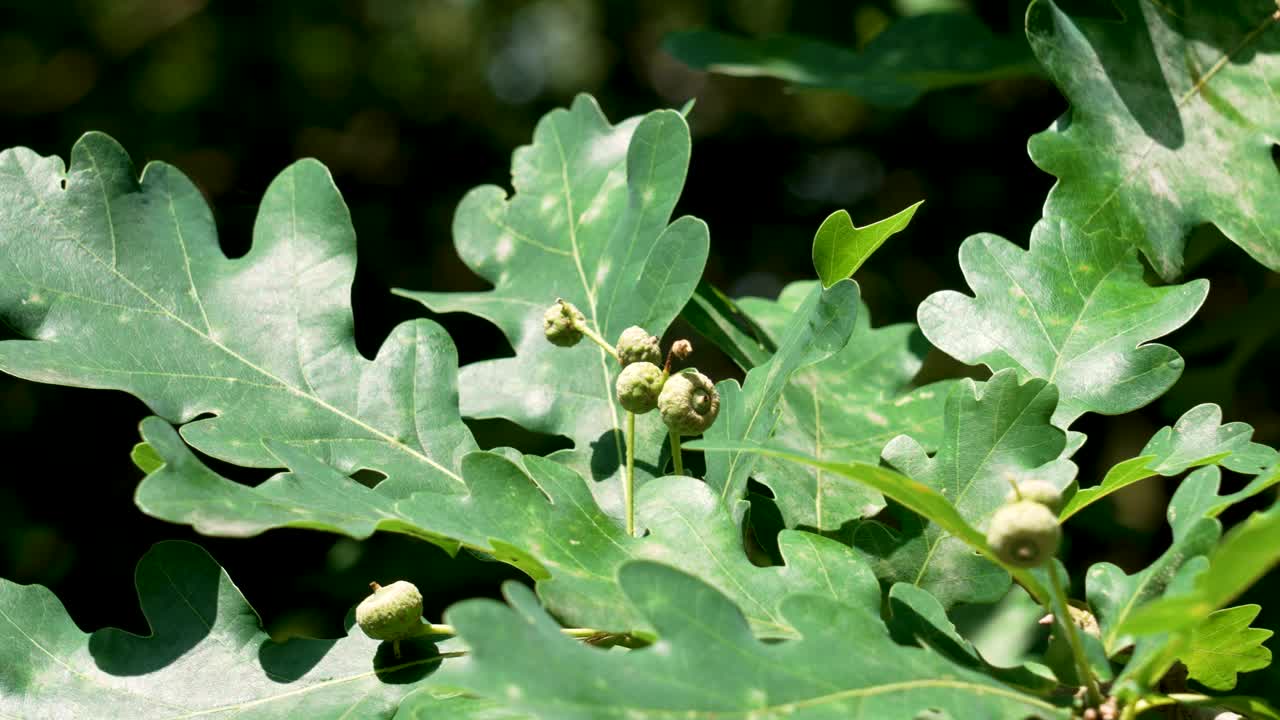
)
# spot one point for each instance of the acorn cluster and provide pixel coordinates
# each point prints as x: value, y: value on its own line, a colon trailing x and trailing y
x: 1024, y: 532
x: 687, y: 400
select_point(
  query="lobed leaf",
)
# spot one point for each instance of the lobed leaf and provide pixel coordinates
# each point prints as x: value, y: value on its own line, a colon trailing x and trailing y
x: 994, y: 436
x: 1197, y: 438
x: 531, y: 512
x: 845, y: 408
x: 819, y: 327
x: 1224, y: 645
x: 588, y: 222
x: 206, y: 656
x: 707, y: 664
x: 119, y: 283
x: 1174, y: 112
x: 1072, y: 310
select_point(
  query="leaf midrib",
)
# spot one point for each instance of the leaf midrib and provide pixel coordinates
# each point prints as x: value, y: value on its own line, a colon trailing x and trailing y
x: 165, y: 311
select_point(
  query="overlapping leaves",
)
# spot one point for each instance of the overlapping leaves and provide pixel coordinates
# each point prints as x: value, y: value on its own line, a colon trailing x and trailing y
x: 994, y: 435
x: 588, y: 222
x: 531, y: 512
x: 845, y: 408
x: 1198, y: 438
x: 707, y: 664
x: 206, y: 656
x: 1174, y: 112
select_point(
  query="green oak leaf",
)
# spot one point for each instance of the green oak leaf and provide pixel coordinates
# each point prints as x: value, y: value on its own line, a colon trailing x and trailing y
x: 1073, y: 310
x: 840, y: 247
x: 917, y: 618
x: 1245, y: 554
x: 588, y: 222
x: 432, y: 704
x: 1174, y: 111
x: 531, y: 512
x: 707, y: 664
x: 119, y: 283
x: 1198, y: 495
x: 1116, y: 596
x: 206, y: 656
x: 1224, y: 645
x: 994, y: 435
x: 921, y: 499
x: 1197, y: 438
x: 845, y: 408
x: 910, y: 57
x: 818, y: 327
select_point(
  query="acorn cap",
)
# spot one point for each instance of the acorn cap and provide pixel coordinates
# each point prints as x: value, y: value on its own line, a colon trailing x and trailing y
x: 689, y: 403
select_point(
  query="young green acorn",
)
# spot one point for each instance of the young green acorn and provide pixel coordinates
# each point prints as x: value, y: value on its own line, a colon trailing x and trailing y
x: 1040, y: 491
x: 562, y: 324
x: 1024, y: 533
x: 689, y: 403
x: 638, y: 386
x: 393, y: 612
x: 635, y: 345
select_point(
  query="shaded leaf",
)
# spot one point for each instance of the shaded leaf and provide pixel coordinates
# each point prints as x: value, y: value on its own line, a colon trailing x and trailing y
x: 1174, y: 110
x: 1197, y: 496
x: 916, y: 618
x: 917, y: 497
x: 707, y: 664
x: 1224, y: 645
x: 588, y: 222
x: 207, y: 655
x: 845, y: 408
x: 1073, y: 310
x: 840, y: 247
x: 530, y: 512
x: 1116, y: 597
x: 717, y: 318
x: 1245, y: 554
x: 1197, y: 438
x: 819, y: 327
x: 911, y: 56
x: 121, y: 284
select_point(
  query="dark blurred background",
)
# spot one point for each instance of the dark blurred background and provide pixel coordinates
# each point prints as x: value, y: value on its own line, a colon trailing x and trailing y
x: 411, y: 103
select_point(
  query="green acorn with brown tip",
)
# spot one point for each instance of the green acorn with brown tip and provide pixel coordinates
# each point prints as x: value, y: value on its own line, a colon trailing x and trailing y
x: 393, y: 612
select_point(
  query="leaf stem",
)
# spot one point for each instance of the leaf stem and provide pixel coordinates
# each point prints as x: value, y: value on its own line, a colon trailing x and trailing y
x: 1069, y: 631
x: 675, y: 452
x: 595, y: 338
x: 629, y: 483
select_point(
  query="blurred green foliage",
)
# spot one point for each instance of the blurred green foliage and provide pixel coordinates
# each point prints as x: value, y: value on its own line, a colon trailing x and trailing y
x: 412, y: 103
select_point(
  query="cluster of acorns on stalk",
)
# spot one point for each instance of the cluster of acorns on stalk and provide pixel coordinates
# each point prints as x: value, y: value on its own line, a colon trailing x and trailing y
x: 688, y: 400
x: 1024, y: 532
